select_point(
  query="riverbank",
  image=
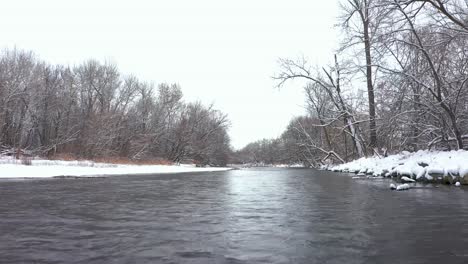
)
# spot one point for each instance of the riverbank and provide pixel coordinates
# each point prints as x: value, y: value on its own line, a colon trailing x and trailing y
x: 424, y: 166
x: 11, y: 168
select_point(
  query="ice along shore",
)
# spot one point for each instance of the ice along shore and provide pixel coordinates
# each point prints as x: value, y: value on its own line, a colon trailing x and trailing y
x: 424, y: 166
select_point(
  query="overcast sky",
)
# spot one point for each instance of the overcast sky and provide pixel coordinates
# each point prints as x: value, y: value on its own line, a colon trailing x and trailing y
x: 221, y: 52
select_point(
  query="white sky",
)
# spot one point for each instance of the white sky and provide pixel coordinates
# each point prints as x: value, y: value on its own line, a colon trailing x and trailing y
x: 221, y: 52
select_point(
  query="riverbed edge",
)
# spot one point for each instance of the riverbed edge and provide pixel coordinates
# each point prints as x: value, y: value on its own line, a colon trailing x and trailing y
x: 442, y: 167
x: 85, y: 169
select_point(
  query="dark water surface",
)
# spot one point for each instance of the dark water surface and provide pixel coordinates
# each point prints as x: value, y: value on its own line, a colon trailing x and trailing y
x: 243, y: 216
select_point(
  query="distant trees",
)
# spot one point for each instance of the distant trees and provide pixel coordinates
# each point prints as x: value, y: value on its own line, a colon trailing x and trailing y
x: 92, y: 111
x: 262, y: 152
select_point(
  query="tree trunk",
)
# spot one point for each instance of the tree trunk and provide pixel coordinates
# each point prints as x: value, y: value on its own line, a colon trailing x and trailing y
x: 354, y: 135
x: 456, y: 130
x: 370, y: 87
x: 325, y: 131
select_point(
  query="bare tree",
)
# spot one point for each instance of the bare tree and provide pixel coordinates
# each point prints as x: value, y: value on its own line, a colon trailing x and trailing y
x: 432, y: 46
x: 361, y: 21
x: 331, y: 84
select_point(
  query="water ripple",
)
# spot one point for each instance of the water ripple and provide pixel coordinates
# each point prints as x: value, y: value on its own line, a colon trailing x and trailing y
x: 242, y: 216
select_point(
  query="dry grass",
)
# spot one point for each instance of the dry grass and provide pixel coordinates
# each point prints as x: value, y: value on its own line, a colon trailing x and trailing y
x: 113, y: 160
x: 123, y: 160
x: 64, y: 157
x: 26, y: 160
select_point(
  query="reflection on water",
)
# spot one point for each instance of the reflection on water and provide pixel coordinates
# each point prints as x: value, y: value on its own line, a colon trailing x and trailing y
x: 243, y: 216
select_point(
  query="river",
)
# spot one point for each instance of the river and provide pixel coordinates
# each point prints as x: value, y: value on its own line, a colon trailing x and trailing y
x: 240, y: 216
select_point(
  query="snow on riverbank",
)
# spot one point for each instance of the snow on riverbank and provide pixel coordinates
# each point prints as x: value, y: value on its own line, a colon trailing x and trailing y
x: 446, y: 166
x: 10, y: 168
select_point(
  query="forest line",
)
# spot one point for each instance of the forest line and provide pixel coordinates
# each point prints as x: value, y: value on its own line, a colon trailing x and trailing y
x: 93, y: 111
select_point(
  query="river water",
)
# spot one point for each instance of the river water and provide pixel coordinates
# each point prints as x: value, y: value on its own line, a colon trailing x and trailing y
x: 241, y: 216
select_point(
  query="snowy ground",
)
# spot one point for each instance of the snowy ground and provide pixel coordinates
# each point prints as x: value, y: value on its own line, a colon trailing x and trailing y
x: 297, y: 165
x: 446, y: 166
x: 10, y: 168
